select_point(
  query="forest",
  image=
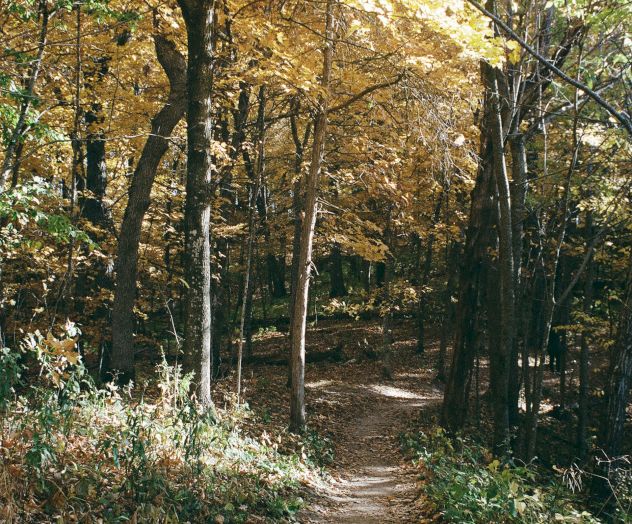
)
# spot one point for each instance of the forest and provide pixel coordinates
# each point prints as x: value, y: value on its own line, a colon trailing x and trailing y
x: 315, y: 261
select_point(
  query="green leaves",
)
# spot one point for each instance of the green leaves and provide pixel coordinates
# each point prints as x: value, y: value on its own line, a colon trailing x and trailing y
x: 26, y: 213
x: 467, y: 486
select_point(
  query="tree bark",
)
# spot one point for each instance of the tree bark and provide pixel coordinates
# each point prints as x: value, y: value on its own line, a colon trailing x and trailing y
x: 448, y: 310
x: 297, y: 208
x: 500, y: 356
x: 456, y: 397
x: 174, y: 65
x: 519, y: 186
x: 584, y: 354
x: 310, y: 209
x: 620, y: 377
x: 199, y: 19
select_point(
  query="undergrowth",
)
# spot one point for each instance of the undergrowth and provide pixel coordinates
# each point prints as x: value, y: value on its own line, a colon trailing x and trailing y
x: 72, y: 452
x: 464, y: 484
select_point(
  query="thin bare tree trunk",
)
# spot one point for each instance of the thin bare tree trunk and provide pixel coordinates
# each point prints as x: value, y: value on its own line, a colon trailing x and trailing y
x: 256, y: 185
x: 11, y: 158
x: 584, y: 355
x: 299, y: 146
x: 310, y: 210
x: 425, y: 277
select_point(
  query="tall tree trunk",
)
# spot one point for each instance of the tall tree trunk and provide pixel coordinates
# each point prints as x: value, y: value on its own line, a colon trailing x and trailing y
x: 174, y: 65
x: 310, y: 209
x: 447, y: 324
x: 297, y: 211
x: 248, y: 285
x: 621, y: 376
x: 257, y: 184
x: 500, y: 356
x: 387, y: 328
x: 584, y: 355
x: 456, y: 397
x: 199, y: 19
x: 519, y: 186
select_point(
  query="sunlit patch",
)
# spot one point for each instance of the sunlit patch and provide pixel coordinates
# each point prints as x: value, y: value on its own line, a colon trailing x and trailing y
x: 392, y: 392
x: 319, y: 384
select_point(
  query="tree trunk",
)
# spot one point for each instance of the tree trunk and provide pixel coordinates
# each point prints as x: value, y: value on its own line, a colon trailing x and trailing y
x: 448, y: 310
x: 138, y: 201
x: 299, y: 316
x: 199, y: 19
x: 297, y: 211
x: 518, y: 213
x: 256, y: 184
x: 425, y: 278
x: 620, y: 377
x: 500, y: 356
x: 584, y: 355
x: 92, y: 202
x: 337, y: 288
x: 11, y: 155
x: 387, y: 328
x: 456, y: 397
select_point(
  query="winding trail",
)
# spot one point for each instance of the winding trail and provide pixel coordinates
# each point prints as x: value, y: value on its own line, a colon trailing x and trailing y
x: 372, y: 484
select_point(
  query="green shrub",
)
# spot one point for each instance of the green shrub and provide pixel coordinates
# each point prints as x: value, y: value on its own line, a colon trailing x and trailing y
x: 465, y: 485
x: 114, y: 455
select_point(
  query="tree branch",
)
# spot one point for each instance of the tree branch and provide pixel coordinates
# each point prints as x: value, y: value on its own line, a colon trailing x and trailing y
x: 621, y: 117
x: 365, y: 92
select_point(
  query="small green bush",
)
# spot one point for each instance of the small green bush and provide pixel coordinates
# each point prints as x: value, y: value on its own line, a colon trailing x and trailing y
x: 466, y: 486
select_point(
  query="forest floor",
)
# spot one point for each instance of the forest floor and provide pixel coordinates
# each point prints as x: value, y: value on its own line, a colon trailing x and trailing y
x: 362, y: 415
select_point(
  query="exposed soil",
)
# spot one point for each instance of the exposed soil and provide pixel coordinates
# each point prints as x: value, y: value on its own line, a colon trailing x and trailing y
x: 373, y: 484
x: 364, y: 415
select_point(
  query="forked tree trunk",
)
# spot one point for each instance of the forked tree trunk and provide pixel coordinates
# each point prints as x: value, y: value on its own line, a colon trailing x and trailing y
x: 174, y: 65
x: 299, y: 316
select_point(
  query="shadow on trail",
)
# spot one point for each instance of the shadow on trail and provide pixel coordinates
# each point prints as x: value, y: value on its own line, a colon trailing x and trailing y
x: 371, y: 483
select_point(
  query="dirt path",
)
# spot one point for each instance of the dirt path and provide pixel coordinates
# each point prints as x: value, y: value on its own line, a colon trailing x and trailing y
x: 362, y: 414
x: 371, y: 484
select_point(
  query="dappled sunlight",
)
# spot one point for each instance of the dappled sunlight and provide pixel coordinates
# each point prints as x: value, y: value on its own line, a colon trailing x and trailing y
x: 320, y: 384
x: 398, y: 393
